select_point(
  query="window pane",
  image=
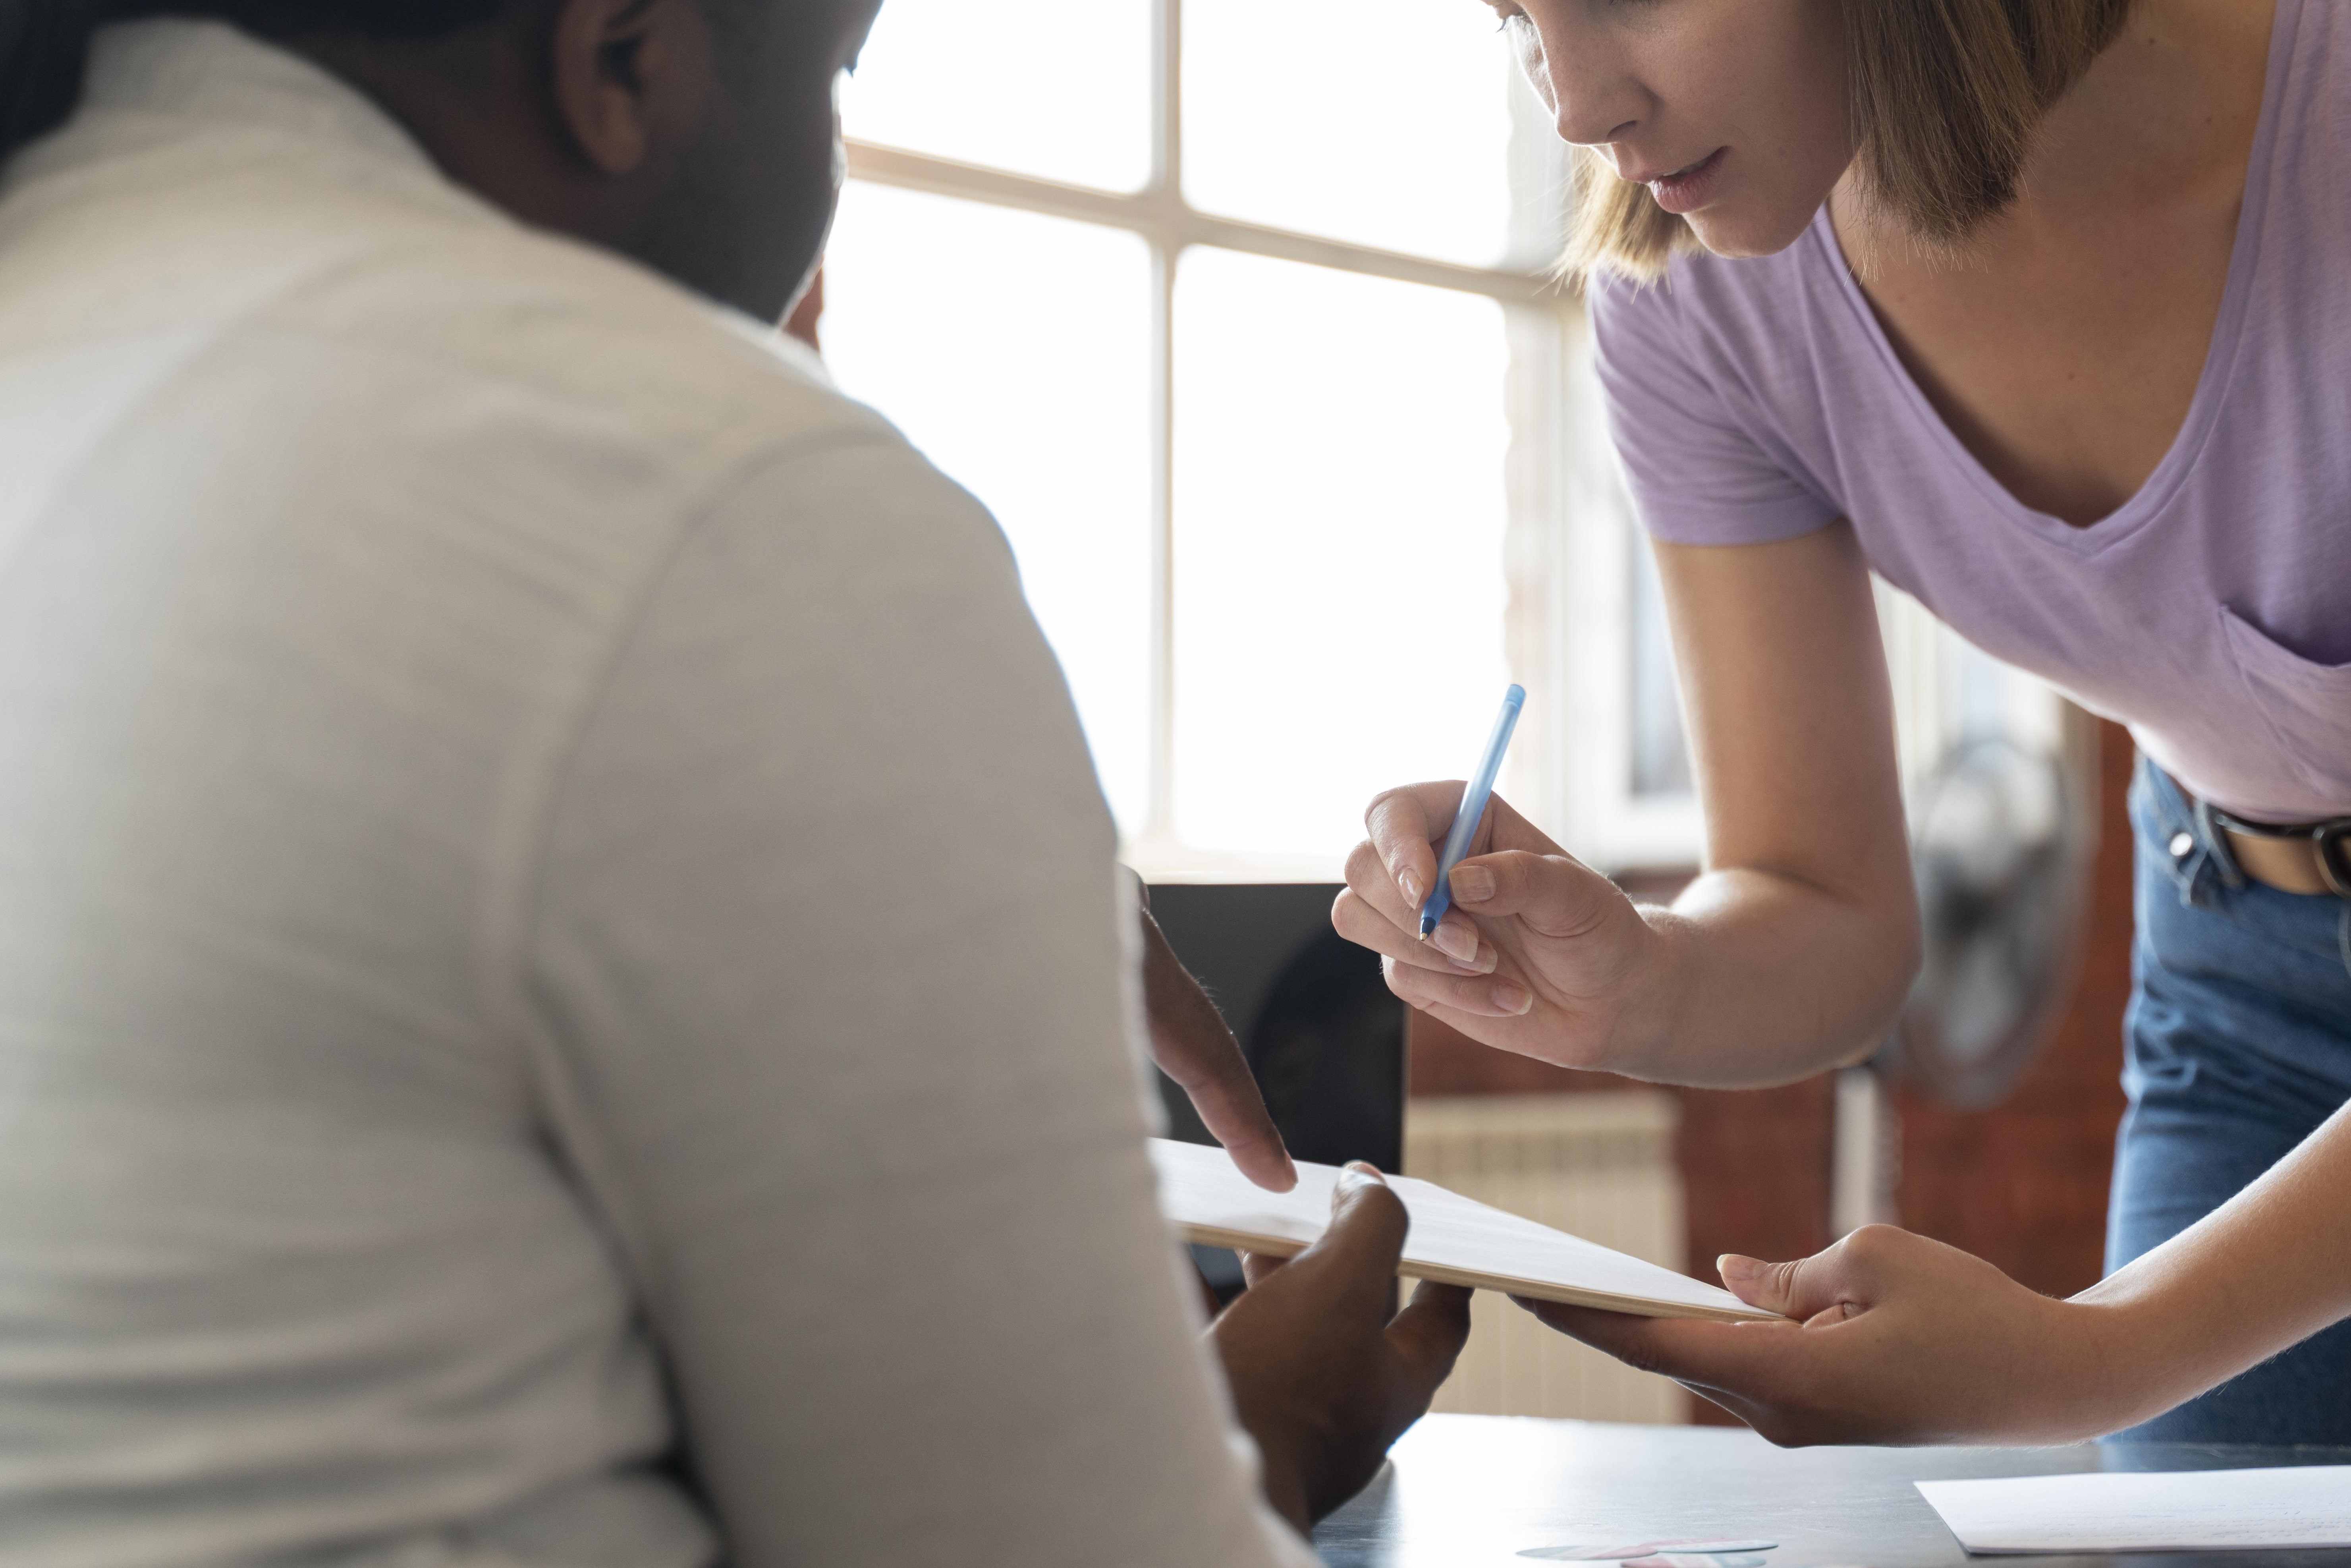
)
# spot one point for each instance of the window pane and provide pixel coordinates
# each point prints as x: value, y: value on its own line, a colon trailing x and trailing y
x: 1060, y: 88
x: 1385, y: 123
x: 1338, y: 523
x: 1016, y: 351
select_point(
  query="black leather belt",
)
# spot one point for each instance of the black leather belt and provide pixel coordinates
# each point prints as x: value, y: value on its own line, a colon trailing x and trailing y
x: 2274, y: 853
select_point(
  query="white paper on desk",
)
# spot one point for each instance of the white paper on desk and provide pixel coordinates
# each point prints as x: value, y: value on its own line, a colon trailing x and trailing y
x: 1454, y: 1239
x: 2196, y: 1510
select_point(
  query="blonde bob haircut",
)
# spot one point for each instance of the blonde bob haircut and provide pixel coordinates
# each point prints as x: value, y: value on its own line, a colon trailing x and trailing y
x: 1945, y: 95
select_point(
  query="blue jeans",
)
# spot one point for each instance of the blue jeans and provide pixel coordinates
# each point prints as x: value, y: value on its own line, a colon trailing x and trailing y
x: 2239, y: 1045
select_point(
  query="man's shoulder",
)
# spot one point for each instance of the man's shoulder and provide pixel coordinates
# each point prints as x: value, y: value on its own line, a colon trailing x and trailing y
x: 518, y: 322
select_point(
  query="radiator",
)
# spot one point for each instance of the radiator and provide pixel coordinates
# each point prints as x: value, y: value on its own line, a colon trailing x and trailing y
x: 1599, y: 1165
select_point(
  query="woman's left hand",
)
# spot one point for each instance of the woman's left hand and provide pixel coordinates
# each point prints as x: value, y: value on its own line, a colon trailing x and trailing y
x: 1893, y: 1339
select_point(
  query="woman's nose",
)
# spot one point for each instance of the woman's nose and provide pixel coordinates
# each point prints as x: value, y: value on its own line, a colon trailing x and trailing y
x: 1584, y: 129
x: 1593, y: 97
x: 1591, y: 110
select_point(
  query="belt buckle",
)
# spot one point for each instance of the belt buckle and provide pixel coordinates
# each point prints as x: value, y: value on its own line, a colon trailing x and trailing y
x: 2332, y: 843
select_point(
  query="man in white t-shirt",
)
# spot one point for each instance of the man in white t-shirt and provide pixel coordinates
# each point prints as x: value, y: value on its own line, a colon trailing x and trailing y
x: 567, y: 996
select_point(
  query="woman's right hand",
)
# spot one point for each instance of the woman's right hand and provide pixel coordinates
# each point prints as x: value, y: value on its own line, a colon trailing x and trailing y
x: 1793, y: 949
x: 1539, y: 953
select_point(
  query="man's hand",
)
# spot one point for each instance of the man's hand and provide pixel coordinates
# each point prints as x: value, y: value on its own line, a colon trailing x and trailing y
x: 1192, y: 1045
x: 1894, y: 1340
x: 1323, y: 1377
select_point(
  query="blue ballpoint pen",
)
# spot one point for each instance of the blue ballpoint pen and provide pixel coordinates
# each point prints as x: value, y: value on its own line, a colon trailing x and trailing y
x: 1472, y: 811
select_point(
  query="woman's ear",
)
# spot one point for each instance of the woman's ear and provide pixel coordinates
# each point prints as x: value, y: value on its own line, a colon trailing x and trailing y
x: 630, y: 78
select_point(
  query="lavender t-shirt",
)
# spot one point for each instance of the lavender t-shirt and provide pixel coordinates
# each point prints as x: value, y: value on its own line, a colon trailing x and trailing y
x: 1757, y: 400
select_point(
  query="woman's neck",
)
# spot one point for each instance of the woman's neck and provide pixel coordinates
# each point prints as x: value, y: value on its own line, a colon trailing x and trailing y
x: 2166, y: 113
x: 2165, y: 116
x: 2064, y: 346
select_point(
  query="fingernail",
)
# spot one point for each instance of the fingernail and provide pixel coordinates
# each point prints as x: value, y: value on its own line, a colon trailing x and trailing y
x: 1512, y: 999
x: 1732, y: 1266
x: 1472, y: 884
x: 1409, y: 882
x: 1487, y: 961
x: 1456, y: 942
x: 1356, y: 1173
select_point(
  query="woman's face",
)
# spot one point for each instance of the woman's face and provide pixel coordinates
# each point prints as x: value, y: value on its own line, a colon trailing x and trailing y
x: 1733, y: 112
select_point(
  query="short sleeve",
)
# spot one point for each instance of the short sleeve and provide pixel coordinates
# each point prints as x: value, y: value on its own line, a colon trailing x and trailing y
x: 1701, y: 470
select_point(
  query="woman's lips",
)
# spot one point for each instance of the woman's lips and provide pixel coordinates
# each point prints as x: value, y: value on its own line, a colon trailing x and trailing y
x: 1688, y: 189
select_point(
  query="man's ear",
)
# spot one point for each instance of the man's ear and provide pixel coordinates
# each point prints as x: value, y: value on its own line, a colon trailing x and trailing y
x: 630, y: 78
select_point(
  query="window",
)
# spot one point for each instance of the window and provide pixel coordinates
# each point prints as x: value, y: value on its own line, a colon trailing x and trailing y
x: 1236, y: 315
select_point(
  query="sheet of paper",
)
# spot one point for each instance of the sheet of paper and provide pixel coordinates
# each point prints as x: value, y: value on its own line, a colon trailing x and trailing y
x: 1453, y: 1239
x: 2200, y: 1511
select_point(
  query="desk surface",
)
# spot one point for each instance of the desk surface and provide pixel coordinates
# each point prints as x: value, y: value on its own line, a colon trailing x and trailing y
x: 1473, y: 1491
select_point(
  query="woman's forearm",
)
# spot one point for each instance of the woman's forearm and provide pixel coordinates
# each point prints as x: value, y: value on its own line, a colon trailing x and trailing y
x: 2262, y: 1272
x: 1759, y: 979
x: 1793, y: 951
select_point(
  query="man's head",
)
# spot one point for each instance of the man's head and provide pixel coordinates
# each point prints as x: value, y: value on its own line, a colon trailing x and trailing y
x: 698, y: 136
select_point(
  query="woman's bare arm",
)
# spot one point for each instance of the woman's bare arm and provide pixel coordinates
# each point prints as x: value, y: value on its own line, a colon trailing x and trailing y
x: 1797, y: 942
x: 1791, y: 951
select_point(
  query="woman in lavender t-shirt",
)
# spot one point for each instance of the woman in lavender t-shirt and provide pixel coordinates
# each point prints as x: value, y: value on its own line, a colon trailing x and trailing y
x: 2042, y: 310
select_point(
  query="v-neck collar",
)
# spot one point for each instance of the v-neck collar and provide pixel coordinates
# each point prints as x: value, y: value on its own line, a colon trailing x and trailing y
x: 2211, y: 387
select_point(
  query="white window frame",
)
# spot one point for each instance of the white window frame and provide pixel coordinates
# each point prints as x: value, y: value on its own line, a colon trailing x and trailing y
x: 1567, y: 565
